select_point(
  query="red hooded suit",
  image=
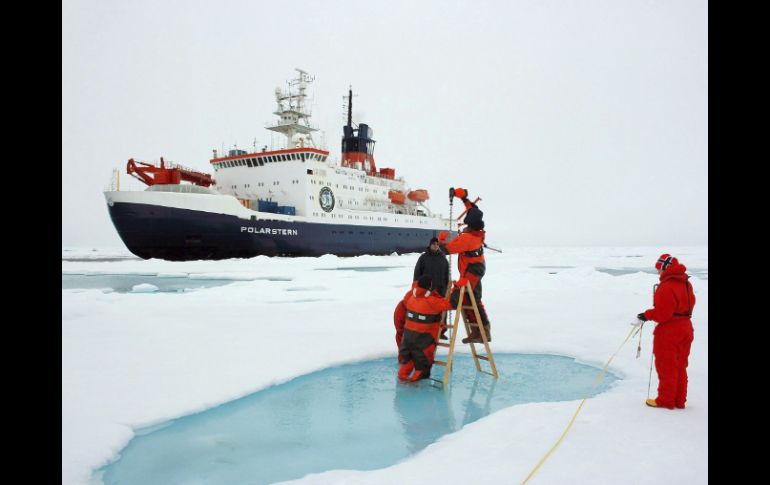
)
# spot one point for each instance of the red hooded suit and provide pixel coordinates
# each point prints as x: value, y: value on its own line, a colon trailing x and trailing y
x: 673, y: 303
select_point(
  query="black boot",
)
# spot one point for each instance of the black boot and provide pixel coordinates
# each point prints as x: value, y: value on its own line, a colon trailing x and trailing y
x: 474, y: 337
x: 487, y: 332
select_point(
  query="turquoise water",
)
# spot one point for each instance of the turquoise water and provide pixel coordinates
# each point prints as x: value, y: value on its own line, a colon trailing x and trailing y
x: 702, y: 273
x: 356, y: 416
x: 365, y: 269
x: 123, y: 283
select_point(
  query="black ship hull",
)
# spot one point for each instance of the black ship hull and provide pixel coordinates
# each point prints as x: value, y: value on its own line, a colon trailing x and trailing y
x: 154, y: 231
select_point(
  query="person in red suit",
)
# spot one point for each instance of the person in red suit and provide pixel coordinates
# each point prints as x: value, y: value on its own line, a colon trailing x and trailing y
x: 673, y: 302
x: 469, y: 246
x: 418, y: 344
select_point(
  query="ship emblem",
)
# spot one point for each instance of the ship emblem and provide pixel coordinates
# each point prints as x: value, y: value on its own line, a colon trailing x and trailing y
x: 326, y: 198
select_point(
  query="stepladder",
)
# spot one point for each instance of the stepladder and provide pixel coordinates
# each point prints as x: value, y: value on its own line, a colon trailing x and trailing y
x: 463, y: 310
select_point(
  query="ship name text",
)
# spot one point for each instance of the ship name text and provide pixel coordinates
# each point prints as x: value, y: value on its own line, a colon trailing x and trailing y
x: 268, y: 230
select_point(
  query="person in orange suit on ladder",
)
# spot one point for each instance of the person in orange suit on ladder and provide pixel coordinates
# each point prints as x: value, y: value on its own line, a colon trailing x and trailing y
x: 423, y: 316
x: 673, y: 302
x: 469, y: 245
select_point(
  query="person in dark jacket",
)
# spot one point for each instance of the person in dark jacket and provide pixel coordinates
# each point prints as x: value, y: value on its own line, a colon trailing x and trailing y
x: 433, y: 263
x: 673, y: 303
x: 418, y: 345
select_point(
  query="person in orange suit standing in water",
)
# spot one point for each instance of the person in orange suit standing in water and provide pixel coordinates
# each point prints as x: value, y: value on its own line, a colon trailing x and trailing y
x: 418, y: 343
x: 469, y: 245
x: 673, y: 303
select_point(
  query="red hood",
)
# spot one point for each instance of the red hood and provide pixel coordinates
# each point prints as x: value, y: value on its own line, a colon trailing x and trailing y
x: 674, y: 272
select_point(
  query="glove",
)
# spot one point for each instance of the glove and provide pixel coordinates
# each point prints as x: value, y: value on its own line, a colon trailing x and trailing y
x: 442, y: 236
x: 461, y: 283
x: 641, y: 317
x: 461, y: 193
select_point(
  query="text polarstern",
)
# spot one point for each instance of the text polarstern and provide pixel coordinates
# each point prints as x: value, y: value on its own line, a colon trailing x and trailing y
x: 268, y: 230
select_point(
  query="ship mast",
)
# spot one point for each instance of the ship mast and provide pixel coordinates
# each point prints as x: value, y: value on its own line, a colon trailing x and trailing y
x: 350, y: 107
x: 292, y: 112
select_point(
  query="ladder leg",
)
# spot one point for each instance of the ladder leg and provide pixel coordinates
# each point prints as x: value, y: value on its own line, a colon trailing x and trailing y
x: 445, y: 316
x: 483, y: 334
x: 460, y: 305
x: 452, y: 340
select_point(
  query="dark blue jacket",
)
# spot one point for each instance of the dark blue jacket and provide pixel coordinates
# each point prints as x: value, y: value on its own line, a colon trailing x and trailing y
x: 436, y: 266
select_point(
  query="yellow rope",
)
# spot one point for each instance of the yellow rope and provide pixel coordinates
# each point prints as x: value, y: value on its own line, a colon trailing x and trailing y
x: 580, y: 406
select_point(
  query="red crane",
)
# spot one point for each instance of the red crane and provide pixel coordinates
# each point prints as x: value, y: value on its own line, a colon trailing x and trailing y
x: 173, y: 174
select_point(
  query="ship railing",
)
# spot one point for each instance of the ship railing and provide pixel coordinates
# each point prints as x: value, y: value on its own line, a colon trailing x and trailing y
x: 278, y: 124
x: 182, y: 167
x: 386, y: 177
x: 114, y: 183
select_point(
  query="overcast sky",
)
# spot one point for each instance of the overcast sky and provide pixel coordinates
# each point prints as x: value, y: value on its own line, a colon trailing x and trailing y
x: 577, y: 122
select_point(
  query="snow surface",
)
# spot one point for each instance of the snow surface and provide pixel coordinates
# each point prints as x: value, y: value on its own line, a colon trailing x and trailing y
x: 131, y: 360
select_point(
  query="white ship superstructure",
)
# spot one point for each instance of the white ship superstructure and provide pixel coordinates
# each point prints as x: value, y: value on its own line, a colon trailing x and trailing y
x: 347, y: 206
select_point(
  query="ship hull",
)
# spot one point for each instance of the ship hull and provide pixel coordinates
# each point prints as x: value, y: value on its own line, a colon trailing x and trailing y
x: 177, y: 234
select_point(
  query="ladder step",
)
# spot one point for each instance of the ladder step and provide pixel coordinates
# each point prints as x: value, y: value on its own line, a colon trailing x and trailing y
x: 442, y: 344
x: 482, y: 357
x: 468, y: 307
x: 446, y: 326
x: 439, y: 362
